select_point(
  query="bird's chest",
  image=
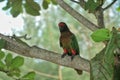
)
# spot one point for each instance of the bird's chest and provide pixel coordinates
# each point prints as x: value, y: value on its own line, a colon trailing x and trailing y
x: 66, y: 41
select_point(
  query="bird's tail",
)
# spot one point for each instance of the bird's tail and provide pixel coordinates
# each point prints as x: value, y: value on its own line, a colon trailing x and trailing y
x: 79, y: 71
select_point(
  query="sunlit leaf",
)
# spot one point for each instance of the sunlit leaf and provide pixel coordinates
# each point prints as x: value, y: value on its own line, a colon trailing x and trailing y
x: 100, y: 35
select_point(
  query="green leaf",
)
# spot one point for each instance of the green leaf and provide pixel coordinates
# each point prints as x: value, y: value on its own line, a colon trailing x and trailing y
x: 2, y: 43
x: 8, y: 59
x: 91, y: 6
x: 45, y: 4
x: 2, y: 54
x: 32, y: 8
x: 2, y: 65
x: 16, y: 8
x: 29, y: 76
x: 118, y: 9
x: 100, y: 35
x: 14, y: 72
x: 54, y: 2
x: 8, y: 5
x: 17, y: 62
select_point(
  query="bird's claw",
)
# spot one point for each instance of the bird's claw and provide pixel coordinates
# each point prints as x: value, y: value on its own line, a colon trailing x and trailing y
x: 63, y: 55
x: 72, y: 57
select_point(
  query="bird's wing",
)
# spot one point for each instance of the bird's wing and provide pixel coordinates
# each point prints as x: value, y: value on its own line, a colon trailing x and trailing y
x: 74, y: 43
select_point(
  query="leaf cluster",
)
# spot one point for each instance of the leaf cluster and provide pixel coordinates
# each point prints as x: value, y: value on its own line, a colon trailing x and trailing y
x: 18, y: 6
x: 92, y: 5
x: 11, y: 65
x: 29, y: 6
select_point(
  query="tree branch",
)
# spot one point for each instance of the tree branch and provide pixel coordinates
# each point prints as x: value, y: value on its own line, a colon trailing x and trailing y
x: 77, y: 15
x: 100, y: 17
x: 110, y: 5
x: 39, y: 53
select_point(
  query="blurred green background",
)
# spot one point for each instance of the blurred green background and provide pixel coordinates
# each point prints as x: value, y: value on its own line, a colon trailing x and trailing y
x: 44, y: 33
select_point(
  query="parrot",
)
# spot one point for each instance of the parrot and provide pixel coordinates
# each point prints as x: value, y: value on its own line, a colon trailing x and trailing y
x: 68, y: 42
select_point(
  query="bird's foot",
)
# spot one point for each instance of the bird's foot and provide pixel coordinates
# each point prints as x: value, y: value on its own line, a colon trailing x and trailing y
x: 63, y: 55
x: 72, y: 57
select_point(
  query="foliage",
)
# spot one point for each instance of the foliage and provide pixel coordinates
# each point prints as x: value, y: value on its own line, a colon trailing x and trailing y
x: 102, y: 65
x: 100, y: 35
x: 46, y: 3
x: 118, y: 9
x: 29, y: 6
x: 16, y: 7
x: 11, y: 65
x: 92, y: 5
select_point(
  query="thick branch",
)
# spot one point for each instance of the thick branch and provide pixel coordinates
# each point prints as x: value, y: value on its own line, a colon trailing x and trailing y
x: 77, y: 15
x: 39, y: 53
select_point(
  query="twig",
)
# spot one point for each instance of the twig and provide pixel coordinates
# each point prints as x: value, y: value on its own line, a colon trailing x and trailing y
x: 110, y: 5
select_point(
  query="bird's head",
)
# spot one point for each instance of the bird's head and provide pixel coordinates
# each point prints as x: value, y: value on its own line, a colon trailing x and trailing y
x: 63, y: 27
